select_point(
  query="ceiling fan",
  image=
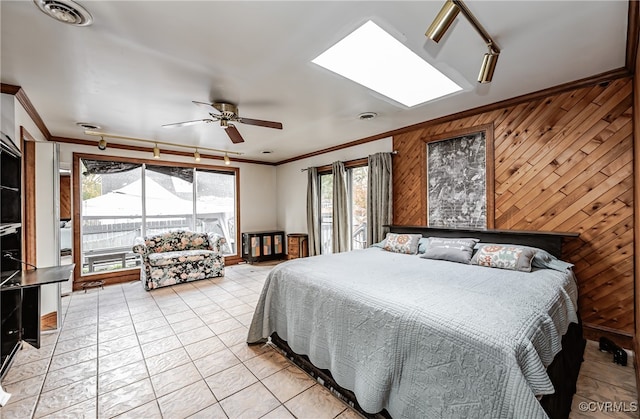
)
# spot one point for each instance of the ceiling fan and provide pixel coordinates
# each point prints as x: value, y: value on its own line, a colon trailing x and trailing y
x: 226, y: 113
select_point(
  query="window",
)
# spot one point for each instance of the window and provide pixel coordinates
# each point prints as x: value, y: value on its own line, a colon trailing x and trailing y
x: 121, y: 201
x: 111, y: 218
x: 357, y: 190
x: 326, y: 212
x: 216, y: 205
x: 168, y: 199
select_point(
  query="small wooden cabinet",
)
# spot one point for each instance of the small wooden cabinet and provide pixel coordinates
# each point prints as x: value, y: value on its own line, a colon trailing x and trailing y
x: 297, y: 246
x: 260, y: 246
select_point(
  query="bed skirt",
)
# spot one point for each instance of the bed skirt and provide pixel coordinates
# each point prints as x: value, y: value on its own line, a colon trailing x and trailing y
x: 563, y: 373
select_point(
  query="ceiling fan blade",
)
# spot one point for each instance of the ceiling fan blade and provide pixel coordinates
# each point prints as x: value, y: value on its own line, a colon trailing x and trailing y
x: 268, y: 124
x: 208, y: 106
x: 234, y: 134
x: 186, y: 123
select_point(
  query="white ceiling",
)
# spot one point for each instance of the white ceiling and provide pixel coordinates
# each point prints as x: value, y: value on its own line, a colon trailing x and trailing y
x: 141, y: 64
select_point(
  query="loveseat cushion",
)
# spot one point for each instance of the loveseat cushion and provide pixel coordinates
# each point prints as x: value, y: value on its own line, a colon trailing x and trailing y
x: 182, y: 256
x: 176, y: 240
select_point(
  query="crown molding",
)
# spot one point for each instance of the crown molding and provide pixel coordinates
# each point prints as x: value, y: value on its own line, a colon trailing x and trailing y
x: 22, y: 97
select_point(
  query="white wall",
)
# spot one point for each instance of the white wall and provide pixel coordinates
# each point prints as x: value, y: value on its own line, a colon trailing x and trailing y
x: 257, y: 183
x: 292, y: 182
x: 47, y: 219
x: 7, y: 123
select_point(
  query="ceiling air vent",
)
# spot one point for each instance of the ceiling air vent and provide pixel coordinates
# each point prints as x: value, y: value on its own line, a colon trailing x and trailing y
x: 65, y: 11
x: 366, y: 116
x: 88, y: 126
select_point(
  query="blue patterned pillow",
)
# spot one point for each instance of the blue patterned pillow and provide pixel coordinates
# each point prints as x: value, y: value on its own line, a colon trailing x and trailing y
x: 504, y: 257
x: 402, y: 243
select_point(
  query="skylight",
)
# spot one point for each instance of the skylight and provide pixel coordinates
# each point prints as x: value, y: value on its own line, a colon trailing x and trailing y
x: 373, y: 58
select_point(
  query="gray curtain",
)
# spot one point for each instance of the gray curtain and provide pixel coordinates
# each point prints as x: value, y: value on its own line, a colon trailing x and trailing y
x: 379, y: 197
x: 340, y: 232
x: 313, y: 211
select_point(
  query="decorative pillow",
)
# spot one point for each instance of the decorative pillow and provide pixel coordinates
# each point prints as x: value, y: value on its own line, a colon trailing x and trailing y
x: 545, y: 260
x: 504, y: 256
x: 402, y: 243
x: 453, y: 250
x: 380, y: 244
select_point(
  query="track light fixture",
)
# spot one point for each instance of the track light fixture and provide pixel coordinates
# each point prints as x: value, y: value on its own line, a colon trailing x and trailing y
x: 102, y: 145
x: 443, y: 21
x: 488, y: 66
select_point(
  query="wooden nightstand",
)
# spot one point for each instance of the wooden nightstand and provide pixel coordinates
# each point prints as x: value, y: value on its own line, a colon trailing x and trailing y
x: 297, y: 246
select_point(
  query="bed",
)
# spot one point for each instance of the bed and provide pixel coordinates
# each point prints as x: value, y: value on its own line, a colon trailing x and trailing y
x: 402, y: 336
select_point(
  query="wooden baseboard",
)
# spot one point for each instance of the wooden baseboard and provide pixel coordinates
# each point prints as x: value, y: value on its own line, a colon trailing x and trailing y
x: 109, y: 279
x: 49, y: 321
x: 595, y: 332
x: 232, y: 260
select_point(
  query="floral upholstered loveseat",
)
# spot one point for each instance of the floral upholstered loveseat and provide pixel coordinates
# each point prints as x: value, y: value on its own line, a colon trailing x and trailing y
x: 179, y: 256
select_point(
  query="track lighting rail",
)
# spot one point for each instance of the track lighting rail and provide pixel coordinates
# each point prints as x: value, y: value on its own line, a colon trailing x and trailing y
x: 102, y: 145
x: 445, y: 19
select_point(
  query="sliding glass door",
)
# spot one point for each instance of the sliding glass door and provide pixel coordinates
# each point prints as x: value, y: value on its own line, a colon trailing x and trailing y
x: 216, y: 206
x: 121, y: 201
x: 111, y: 216
x: 168, y: 199
x: 357, y: 189
x: 326, y: 212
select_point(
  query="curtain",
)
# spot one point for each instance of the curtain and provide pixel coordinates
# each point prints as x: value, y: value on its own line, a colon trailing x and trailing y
x: 100, y: 167
x: 313, y: 211
x: 379, y: 197
x: 184, y: 173
x: 340, y: 224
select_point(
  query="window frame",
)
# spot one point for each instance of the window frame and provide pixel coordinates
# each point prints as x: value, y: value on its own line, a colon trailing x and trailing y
x: 131, y: 274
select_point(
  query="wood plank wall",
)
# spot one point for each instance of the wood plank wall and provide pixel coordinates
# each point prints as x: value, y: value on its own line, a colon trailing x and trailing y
x: 562, y: 163
x: 65, y: 197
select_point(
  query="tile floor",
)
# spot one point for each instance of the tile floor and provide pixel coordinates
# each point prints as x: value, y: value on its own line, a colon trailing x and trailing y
x: 180, y: 352
x: 176, y: 352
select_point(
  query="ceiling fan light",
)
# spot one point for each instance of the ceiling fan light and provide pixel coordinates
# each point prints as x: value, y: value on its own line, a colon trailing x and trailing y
x: 443, y: 21
x: 224, y: 123
x: 196, y: 155
x: 156, y: 152
x: 102, y: 144
x: 488, y: 67
x: 227, y: 160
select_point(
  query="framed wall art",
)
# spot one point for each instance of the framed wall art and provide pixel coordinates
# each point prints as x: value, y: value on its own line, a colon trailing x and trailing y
x: 460, y: 180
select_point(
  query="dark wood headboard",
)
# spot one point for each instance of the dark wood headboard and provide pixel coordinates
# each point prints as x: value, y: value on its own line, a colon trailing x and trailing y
x: 549, y: 241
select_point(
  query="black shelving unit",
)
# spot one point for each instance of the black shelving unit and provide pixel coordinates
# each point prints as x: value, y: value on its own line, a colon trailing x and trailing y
x: 10, y: 250
x: 261, y: 246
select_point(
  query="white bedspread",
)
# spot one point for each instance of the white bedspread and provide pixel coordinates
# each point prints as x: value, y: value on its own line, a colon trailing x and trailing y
x: 422, y: 338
